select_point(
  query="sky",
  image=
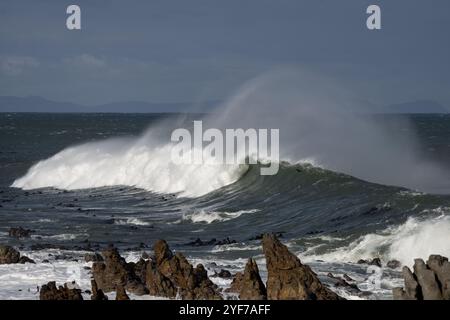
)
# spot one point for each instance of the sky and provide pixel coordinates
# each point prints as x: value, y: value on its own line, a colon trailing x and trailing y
x: 204, y: 50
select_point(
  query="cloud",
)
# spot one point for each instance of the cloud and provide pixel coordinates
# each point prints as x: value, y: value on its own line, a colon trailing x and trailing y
x: 16, y: 65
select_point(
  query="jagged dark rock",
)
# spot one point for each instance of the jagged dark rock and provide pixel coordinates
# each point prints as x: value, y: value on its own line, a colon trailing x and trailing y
x: 24, y: 259
x: 174, y: 271
x: 140, y: 269
x: 343, y: 282
x: 252, y: 287
x: 121, y: 294
x: 19, y: 232
x: 236, y: 284
x: 347, y: 278
x: 261, y: 235
x: 393, y: 264
x: 441, y: 267
x: 288, y: 278
x: 93, y: 257
x: 213, y: 242
x: 49, y: 291
x: 158, y: 284
x: 429, y: 281
x: 9, y: 255
x: 114, y: 271
x: 375, y: 262
x: 224, y: 274
x: 97, y: 294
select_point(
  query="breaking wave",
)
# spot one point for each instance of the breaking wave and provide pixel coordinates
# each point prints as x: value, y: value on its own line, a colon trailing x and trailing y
x: 124, y: 162
x: 416, y: 238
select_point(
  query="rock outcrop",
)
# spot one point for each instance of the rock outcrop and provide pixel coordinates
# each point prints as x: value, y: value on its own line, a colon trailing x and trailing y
x: 49, y: 291
x: 252, y: 287
x: 429, y: 281
x: 393, y: 264
x: 171, y: 274
x: 114, y: 271
x: 19, y: 232
x: 97, y: 294
x: 9, y: 255
x: 236, y: 284
x: 121, y: 294
x: 288, y: 278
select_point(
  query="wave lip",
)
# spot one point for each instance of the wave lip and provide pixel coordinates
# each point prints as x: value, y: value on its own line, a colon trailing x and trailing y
x: 128, y: 163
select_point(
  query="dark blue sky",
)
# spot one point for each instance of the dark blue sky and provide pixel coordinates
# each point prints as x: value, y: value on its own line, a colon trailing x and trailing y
x: 197, y: 50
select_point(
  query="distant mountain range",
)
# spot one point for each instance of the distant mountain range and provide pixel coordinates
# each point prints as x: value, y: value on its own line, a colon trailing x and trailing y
x: 39, y: 104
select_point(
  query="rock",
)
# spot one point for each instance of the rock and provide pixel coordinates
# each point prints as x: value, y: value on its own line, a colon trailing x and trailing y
x: 115, y: 272
x: 204, y: 288
x: 393, y: 264
x: 346, y: 277
x: 158, y: 284
x: 362, y: 261
x: 93, y: 257
x: 427, y: 281
x: 236, y: 284
x: 430, y: 281
x: 375, y: 262
x: 121, y: 294
x: 192, y: 284
x: 97, y: 294
x: 49, y: 291
x: 342, y: 282
x: 24, y: 259
x: 8, y: 255
x: 441, y: 267
x: 224, y: 274
x: 213, y: 242
x: 252, y: 287
x: 261, y: 235
x: 288, y: 278
x: 140, y: 269
x: 19, y: 232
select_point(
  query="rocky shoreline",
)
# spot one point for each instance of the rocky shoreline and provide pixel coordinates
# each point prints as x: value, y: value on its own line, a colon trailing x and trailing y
x: 170, y: 275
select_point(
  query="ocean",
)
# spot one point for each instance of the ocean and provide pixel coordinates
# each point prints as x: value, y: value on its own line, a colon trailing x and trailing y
x: 84, y: 181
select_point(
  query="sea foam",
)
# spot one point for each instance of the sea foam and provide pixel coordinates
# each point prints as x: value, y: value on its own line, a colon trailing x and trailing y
x: 127, y: 162
x: 416, y: 238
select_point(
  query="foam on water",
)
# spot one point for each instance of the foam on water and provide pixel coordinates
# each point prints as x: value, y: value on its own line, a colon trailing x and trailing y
x: 131, y: 221
x: 203, y: 216
x: 416, y: 238
x: 137, y: 163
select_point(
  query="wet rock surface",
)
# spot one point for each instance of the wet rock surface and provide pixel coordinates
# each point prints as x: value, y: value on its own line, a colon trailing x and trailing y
x: 288, y: 278
x: 213, y: 242
x: 252, y: 287
x: 9, y: 255
x: 114, y: 271
x: 49, y: 291
x: 171, y: 271
x: 169, y: 274
x: 427, y: 281
x: 19, y: 232
x: 121, y: 294
x: 97, y: 294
